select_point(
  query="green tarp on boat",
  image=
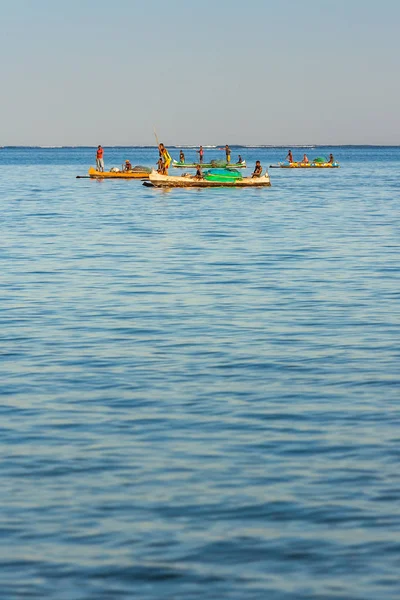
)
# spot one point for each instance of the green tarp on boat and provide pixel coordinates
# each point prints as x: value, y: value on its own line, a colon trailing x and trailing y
x: 222, y: 175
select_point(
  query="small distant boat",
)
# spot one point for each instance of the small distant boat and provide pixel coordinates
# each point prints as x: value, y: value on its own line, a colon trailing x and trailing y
x: 318, y: 163
x: 137, y: 172
x: 211, y: 178
x: 214, y: 164
x: 299, y: 165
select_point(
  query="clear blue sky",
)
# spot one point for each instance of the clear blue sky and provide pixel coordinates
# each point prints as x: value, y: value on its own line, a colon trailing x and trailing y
x: 85, y: 72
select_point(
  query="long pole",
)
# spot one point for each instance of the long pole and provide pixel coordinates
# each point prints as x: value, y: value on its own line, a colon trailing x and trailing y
x: 158, y: 143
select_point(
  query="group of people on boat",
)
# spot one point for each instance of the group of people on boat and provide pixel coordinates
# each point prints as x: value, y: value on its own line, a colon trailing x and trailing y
x: 164, y: 161
x: 305, y: 160
x: 200, y: 152
x: 127, y: 166
x: 256, y: 173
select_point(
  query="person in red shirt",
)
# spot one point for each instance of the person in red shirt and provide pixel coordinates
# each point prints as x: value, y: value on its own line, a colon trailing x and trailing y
x: 201, y: 153
x: 289, y: 156
x: 99, y: 159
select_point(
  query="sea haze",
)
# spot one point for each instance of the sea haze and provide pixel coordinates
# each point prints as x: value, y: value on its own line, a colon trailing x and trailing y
x: 200, y: 388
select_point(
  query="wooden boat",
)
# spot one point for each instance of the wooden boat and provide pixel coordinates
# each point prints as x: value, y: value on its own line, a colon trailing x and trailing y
x: 210, y: 179
x: 301, y: 165
x: 135, y: 173
x: 214, y: 164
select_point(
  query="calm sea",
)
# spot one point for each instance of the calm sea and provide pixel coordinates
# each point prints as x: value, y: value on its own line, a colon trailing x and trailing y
x: 200, y: 389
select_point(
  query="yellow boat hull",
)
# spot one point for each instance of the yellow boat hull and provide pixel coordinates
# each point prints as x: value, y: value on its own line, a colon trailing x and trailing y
x: 300, y: 165
x: 119, y: 175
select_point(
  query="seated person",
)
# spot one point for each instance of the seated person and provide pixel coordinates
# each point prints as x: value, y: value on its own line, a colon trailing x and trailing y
x: 199, y: 173
x: 160, y: 165
x: 305, y: 159
x: 240, y: 160
x: 127, y: 166
x: 257, y: 169
x: 331, y: 159
x: 181, y: 157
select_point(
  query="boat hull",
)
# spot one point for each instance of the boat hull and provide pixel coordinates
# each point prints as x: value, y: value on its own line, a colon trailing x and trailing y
x: 158, y: 180
x: 93, y: 174
x: 298, y: 165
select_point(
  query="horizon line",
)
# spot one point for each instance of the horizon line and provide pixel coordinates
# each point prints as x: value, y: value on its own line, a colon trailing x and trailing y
x: 208, y: 147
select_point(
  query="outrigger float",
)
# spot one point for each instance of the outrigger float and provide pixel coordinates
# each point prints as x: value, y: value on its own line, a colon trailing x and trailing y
x: 211, y: 178
x: 214, y: 164
x: 137, y: 172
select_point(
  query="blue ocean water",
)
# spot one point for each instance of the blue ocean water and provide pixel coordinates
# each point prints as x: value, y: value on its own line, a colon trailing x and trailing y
x: 199, y: 389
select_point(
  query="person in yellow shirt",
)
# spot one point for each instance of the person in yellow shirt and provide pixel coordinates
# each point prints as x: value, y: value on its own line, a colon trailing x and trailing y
x: 166, y: 158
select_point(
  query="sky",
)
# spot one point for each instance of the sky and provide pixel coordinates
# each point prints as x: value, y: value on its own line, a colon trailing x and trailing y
x: 88, y: 72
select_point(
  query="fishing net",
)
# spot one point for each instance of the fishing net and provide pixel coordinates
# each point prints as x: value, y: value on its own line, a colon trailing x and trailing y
x: 141, y: 169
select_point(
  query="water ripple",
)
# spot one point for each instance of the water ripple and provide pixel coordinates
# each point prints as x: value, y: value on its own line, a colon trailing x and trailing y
x: 199, y: 388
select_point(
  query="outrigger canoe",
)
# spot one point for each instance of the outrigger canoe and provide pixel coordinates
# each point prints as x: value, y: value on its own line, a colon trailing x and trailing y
x: 211, y: 178
x: 214, y: 164
x: 135, y: 173
x: 300, y: 165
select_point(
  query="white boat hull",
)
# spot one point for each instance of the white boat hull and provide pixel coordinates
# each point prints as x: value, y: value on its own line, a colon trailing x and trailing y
x: 158, y: 180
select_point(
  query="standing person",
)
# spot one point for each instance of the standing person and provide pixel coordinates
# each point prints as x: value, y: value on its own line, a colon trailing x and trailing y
x: 257, y: 169
x: 181, y: 157
x: 289, y: 156
x: 201, y: 153
x: 166, y: 158
x: 228, y: 153
x: 99, y: 159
